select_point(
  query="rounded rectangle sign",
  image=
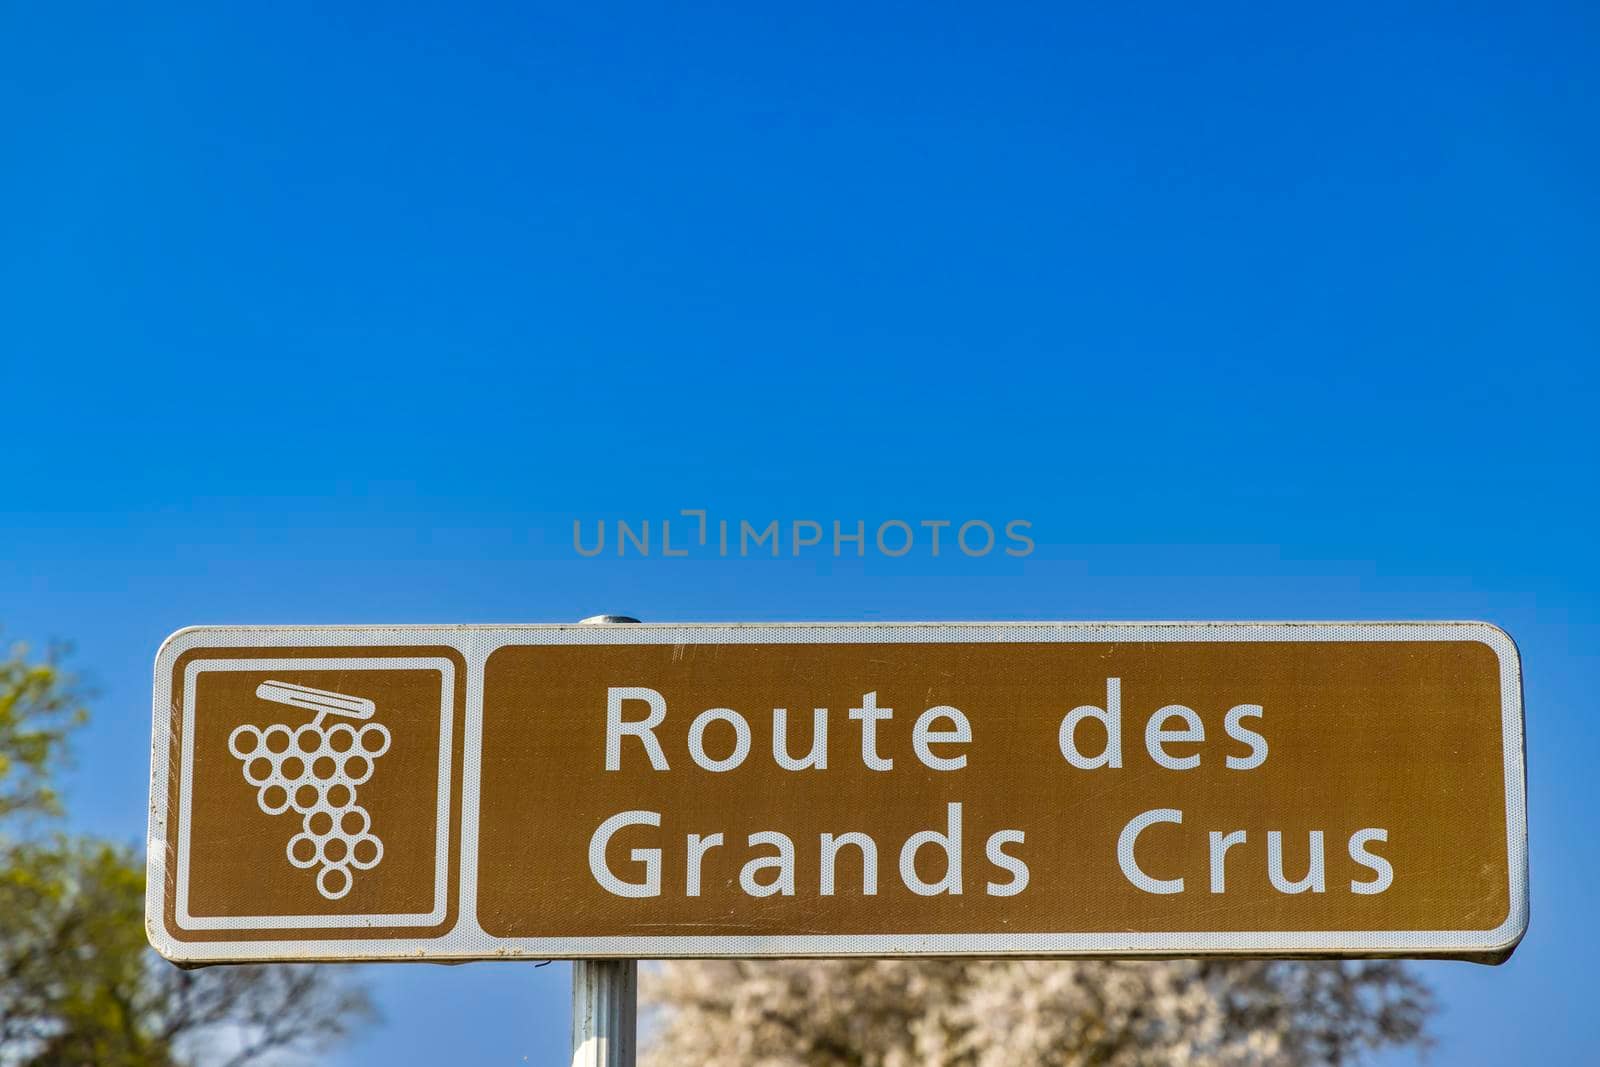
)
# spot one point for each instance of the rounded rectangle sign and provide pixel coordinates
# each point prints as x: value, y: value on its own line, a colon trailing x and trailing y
x: 895, y: 789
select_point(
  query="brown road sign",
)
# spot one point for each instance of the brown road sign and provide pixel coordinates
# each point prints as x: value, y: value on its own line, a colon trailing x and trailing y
x: 1025, y: 789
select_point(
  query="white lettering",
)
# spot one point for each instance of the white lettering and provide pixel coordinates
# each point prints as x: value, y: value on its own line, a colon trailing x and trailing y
x: 1257, y: 743
x: 1109, y: 716
x: 1018, y: 870
x: 1130, y: 866
x: 870, y: 715
x: 923, y: 735
x: 1314, y: 879
x: 949, y: 842
x: 1380, y: 866
x: 650, y: 857
x: 741, y: 739
x: 644, y: 729
x: 1157, y: 736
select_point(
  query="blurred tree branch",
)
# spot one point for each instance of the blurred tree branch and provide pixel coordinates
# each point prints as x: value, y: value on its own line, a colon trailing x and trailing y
x: 79, y: 985
x: 40, y: 706
x: 1000, y: 1013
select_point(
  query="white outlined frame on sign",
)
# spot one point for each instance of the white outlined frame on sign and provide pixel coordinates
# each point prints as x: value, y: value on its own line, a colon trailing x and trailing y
x: 467, y: 940
x: 441, y: 866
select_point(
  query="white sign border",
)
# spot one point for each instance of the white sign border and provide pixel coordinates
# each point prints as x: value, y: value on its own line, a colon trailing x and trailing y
x: 467, y: 940
x: 441, y: 865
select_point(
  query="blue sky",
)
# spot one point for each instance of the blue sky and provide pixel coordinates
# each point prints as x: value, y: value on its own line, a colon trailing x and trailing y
x: 315, y: 317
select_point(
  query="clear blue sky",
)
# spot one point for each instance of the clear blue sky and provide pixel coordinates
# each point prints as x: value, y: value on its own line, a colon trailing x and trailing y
x: 323, y: 317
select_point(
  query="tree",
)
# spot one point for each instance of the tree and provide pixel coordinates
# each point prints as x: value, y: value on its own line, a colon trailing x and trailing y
x: 79, y: 985
x: 987, y: 1013
x: 39, y: 707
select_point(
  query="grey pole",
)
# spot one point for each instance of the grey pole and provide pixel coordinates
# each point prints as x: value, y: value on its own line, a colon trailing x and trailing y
x: 605, y: 993
x: 604, y: 1005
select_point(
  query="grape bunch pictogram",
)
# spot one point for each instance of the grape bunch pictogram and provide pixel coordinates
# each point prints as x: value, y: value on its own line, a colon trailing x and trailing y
x: 314, y: 769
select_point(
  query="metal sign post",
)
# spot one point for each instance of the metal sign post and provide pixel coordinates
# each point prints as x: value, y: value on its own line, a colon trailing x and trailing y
x: 605, y: 993
x: 604, y: 1020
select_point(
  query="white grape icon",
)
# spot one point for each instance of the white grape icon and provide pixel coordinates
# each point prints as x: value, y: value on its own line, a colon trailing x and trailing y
x: 315, y: 770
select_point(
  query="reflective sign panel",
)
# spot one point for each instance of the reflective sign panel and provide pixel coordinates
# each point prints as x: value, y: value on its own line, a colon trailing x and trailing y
x: 1034, y: 789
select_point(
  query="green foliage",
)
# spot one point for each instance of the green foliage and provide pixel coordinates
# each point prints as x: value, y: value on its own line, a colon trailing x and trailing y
x: 73, y: 958
x: 39, y: 707
x: 79, y: 985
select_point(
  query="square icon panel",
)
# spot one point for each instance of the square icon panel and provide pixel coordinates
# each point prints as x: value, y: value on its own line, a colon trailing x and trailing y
x: 314, y: 792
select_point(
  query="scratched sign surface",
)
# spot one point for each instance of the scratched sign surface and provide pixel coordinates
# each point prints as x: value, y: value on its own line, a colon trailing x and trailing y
x: 1037, y: 789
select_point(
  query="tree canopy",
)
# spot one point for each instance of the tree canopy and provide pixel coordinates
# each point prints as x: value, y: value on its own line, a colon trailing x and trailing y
x: 79, y: 985
x: 999, y: 1013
